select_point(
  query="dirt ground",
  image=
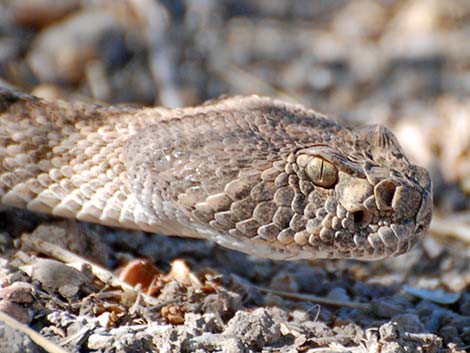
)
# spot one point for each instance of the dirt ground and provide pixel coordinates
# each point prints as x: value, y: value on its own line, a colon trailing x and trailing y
x: 404, y: 64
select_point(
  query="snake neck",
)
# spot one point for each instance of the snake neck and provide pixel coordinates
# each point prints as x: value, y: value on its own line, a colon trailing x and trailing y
x: 66, y: 159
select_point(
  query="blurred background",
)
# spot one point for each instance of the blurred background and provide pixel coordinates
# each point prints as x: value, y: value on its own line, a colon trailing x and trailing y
x: 404, y: 64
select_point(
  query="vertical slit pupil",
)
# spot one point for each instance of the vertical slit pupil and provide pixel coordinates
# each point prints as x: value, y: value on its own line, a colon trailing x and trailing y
x: 321, y: 170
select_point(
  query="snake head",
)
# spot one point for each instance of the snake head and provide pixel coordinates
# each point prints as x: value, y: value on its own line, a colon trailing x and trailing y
x: 279, y: 181
x: 375, y: 203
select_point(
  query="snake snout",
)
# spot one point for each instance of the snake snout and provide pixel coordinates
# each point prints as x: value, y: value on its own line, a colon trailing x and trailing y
x: 402, y: 199
x: 389, y: 213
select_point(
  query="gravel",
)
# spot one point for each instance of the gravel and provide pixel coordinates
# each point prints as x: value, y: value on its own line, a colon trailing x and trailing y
x: 399, y: 63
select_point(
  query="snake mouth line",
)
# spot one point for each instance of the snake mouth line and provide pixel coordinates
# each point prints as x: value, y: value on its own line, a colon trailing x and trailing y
x: 390, y: 240
x: 362, y: 235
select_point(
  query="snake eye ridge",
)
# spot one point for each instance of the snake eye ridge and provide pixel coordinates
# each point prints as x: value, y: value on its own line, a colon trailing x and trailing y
x: 321, y: 172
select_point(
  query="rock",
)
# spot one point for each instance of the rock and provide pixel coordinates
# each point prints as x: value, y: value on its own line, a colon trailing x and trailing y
x: 61, y: 52
x: 284, y: 281
x: 131, y: 339
x: 18, y: 292
x: 389, y: 332
x: 100, y: 341
x: 12, y: 340
x: 209, y: 342
x: 197, y: 324
x: 62, y: 319
x: 6, y: 240
x: 168, y: 338
x: 39, y: 13
x: 75, y: 237
x: 255, y: 329
x: 224, y: 303
x: 339, y: 294
x: 55, y: 275
x: 408, y: 323
x: 389, y: 306
x: 15, y: 311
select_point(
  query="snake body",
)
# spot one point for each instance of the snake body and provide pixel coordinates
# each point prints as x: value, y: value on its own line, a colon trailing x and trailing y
x: 254, y: 174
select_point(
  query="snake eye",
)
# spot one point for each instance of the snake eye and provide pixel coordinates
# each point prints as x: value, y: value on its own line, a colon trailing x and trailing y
x: 321, y: 172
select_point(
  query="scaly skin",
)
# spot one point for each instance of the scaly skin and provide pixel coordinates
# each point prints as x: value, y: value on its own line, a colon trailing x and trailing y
x: 253, y: 174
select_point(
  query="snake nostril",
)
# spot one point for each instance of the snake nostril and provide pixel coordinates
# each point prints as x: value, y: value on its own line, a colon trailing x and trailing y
x: 388, y: 196
x: 384, y: 193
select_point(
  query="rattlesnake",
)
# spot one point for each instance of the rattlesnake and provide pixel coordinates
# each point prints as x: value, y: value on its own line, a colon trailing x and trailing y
x: 254, y: 174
